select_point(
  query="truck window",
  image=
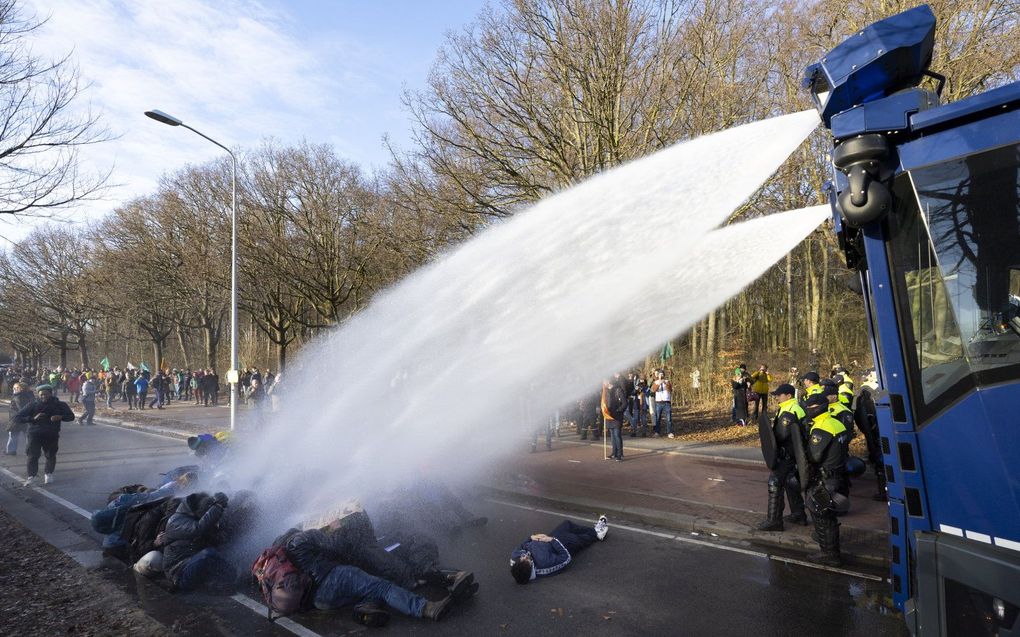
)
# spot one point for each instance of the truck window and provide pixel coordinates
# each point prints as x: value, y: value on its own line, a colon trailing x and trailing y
x: 955, y: 249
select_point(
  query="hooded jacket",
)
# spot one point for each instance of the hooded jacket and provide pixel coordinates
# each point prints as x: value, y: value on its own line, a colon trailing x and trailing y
x: 37, y: 414
x: 188, y: 531
x: 18, y: 402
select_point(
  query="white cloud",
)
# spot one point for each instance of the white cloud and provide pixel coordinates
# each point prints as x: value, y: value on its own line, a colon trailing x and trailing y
x: 238, y: 70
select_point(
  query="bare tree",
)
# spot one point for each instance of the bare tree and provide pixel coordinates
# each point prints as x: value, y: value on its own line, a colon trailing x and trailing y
x: 42, y: 125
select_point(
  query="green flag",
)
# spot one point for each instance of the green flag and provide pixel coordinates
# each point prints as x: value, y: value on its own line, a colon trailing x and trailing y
x: 667, y: 352
x: 143, y: 367
x: 105, y: 364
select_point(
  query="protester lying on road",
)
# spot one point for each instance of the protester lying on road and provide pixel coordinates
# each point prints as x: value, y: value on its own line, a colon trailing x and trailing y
x: 190, y: 560
x: 542, y: 555
x: 128, y: 502
x: 330, y: 584
x: 212, y: 448
x: 407, y: 560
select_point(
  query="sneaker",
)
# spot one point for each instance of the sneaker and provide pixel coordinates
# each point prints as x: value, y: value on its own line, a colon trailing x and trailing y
x: 48, y: 478
x: 29, y: 481
x: 601, y: 527
x: 671, y: 436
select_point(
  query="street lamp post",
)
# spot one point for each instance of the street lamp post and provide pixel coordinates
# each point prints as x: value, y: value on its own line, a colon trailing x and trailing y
x: 233, y: 374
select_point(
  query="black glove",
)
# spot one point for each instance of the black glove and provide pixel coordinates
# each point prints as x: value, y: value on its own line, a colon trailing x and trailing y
x: 220, y: 498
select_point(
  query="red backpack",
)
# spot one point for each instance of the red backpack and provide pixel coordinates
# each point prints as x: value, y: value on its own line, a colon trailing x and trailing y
x: 284, y: 586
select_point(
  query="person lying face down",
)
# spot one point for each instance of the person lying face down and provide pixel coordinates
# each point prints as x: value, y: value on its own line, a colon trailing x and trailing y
x: 321, y: 554
x: 542, y: 555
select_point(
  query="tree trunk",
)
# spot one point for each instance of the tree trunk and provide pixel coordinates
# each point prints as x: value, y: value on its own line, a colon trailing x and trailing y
x: 710, y: 346
x: 184, y: 349
x: 83, y: 349
x: 212, y: 339
x: 789, y: 301
x: 281, y: 356
x: 157, y: 351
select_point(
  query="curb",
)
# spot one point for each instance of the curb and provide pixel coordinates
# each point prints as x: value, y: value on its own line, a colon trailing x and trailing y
x: 871, y: 547
x: 125, y: 424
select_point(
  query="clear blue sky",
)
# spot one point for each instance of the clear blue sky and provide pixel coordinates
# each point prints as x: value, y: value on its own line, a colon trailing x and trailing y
x: 241, y: 71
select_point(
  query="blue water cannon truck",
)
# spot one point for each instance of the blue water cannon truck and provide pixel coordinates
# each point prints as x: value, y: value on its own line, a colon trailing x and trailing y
x: 926, y: 206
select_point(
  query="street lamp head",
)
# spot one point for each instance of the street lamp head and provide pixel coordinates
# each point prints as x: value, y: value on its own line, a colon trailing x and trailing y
x: 160, y: 116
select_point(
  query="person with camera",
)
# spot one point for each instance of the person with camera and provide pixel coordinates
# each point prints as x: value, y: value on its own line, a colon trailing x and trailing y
x: 662, y: 388
x: 760, y: 381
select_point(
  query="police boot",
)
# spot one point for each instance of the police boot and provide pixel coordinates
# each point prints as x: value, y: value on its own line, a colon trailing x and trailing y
x: 774, y: 521
x: 827, y: 531
x: 796, y: 500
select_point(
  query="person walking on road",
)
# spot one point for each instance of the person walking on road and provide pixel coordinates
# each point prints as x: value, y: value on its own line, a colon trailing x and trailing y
x: 142, y: 387
x: 663, y: 390
x: 21, y: 398
x: 128, y: 390
x: 88, y: 399
x: 43, y: 417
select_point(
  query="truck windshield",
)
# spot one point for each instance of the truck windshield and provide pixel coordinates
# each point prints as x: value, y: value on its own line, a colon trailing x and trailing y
x: 955, y: 248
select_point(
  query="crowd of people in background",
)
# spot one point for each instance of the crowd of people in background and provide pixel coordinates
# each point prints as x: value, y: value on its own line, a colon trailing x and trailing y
x: 140, y: 388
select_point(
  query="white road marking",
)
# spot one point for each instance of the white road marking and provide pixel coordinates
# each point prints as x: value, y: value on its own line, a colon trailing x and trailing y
x: 283, y: 622
x: 52, y: 496
x: 714, y: 545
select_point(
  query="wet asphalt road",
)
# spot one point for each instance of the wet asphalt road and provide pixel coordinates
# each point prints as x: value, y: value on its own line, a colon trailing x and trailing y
x: 634, y: 583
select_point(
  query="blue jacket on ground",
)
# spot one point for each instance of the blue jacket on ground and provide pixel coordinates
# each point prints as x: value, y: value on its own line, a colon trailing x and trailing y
x: 548, y: 558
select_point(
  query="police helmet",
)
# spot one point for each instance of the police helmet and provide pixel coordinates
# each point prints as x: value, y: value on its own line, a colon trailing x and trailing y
x: 815, y: 405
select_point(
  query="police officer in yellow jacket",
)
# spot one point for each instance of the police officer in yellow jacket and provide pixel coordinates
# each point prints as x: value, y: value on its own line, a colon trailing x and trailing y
x: 839, y: 411
x: 844, y: 389
x: 828, y: 493
x: 811, y: 382
x: 784, y: 475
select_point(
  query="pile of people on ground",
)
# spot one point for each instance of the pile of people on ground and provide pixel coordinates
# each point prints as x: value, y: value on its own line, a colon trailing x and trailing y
x: 191, y: 539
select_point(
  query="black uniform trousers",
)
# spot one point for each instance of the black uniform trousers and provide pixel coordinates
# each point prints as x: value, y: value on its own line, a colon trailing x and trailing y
x: 38, y: 444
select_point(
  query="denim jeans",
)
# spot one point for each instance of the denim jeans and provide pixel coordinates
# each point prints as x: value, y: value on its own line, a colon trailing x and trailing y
x: 89, y: 402
x: 664, y: 408
x: 205, y: 566
x: 348, y: 585
x: 615, y: 428
x: 12, y: 442
x: 638, y: 416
